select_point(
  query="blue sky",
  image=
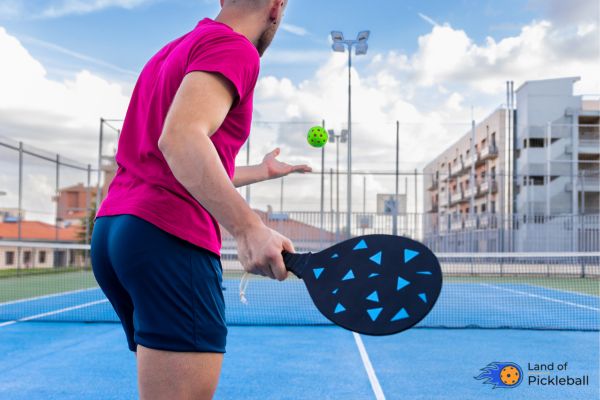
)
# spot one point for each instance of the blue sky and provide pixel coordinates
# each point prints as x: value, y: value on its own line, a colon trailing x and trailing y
x: 126, y: 38
x: 432, y: 66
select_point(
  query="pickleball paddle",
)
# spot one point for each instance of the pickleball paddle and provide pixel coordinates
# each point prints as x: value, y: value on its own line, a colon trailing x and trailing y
x: 374, y: 284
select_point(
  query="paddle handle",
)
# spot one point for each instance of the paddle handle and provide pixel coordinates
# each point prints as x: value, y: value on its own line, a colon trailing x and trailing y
x: 295, y: 262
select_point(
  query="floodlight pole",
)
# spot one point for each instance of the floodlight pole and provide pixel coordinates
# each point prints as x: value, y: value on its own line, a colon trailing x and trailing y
x: 340, y: 45
x: 349, y: 199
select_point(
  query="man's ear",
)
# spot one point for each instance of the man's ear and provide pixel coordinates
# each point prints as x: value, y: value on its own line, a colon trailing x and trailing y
x: 276, y: 10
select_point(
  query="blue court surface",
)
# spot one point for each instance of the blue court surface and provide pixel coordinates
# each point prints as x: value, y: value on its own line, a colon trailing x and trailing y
x: 280, y: 347
x: 53, y: 360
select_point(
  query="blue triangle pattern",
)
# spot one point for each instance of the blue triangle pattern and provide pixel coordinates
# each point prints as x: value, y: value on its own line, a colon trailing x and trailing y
x: 361, y: 245
x: 402, y: 314
x: 348, y: 276
x: 373, y: 275
x: 339, y: 308
x: 376, y: 258
x: 409, y: 255
x: 336, y: 255
x: 373, y: 297
x: 335, y: 291
x: 402, y: 283
x: 374, y: 313
x: 423, y: 297
x: 318, y: 272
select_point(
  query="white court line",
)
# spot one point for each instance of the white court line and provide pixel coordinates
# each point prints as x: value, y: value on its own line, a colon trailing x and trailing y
x: 47, y: 314
x: 48, y: 296
x: 542, y: 297
x: 368, y: 367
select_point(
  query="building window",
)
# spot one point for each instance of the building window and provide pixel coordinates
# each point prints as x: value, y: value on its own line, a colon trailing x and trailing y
x: 536, y: 143
x: 27, y: 257
x: 475, y: 209
x: 533, y: 181
x: 42, y: 257
x: 493, y: 207
x: 9, y: 258
x: 493, y: 172
x: 483, y: 208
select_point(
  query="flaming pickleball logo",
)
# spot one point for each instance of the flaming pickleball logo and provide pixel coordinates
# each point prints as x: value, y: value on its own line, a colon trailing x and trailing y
x: 504, y: 375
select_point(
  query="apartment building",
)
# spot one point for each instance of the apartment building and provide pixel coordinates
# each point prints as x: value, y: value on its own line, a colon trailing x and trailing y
x: 535, y: 188
x: 557, y: 166
x: 465, y: 187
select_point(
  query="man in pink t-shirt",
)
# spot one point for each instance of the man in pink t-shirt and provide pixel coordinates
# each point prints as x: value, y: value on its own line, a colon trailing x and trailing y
x: 156, y: 241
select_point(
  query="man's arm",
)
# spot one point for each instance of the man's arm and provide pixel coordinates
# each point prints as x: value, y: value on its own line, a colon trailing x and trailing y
x: 248, y: 175
x: 198, y: 110
x: 270, y: 168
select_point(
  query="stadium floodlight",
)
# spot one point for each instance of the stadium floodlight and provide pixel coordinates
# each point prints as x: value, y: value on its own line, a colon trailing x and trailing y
x: 363, y: 36
x: 337, y: 36
x: 338, y: 47
x: 361, y: 47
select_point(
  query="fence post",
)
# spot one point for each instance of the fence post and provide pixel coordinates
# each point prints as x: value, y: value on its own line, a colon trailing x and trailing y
x: 57, y: 190
x: 20, y: 211
x: 87, y: 211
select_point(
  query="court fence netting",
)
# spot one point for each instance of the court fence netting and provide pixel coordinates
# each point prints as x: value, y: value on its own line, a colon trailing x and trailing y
x: 554, y: 291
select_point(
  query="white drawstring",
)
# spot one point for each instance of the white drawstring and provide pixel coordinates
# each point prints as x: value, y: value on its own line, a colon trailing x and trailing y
x: 243, y: 286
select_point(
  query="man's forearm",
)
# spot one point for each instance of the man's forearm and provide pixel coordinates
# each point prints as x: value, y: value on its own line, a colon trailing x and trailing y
x: 248, y: 175
x: 195, y: 163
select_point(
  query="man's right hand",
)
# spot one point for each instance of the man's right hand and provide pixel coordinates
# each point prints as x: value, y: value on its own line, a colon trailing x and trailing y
x: 259, y: 251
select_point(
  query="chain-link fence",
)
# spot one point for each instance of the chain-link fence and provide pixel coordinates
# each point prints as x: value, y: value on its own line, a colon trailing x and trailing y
x: 480, y: 191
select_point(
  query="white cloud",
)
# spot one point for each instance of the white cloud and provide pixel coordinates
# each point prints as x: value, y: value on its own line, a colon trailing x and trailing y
x: 34, y: 107
x: 428, y: 19
x: 76, y: 55
x: 430, y: 92
x: 294, y: 29
x: 66, y: 7
x: 60, y: 8
x: 541, y: 50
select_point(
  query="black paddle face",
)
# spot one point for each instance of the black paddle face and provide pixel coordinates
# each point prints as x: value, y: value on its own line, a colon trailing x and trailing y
x: 376, y: 284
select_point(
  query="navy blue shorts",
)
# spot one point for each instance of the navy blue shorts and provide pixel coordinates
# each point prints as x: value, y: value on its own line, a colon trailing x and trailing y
x: 165, y: 290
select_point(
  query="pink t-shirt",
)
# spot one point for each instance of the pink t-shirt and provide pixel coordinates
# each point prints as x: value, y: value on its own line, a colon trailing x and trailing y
x: 144, y: 185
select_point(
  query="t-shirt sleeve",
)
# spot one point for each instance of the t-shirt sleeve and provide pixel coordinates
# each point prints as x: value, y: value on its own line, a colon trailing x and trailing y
x: 231, y: 56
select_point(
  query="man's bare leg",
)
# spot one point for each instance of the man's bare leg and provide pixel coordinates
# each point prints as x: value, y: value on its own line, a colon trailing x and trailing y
x: 182, y: 376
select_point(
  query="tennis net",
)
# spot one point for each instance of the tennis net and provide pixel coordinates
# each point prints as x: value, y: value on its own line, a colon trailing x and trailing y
x: 54, y: 282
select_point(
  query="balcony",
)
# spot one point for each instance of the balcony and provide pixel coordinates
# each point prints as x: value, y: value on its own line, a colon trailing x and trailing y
x: 471, y: 191
x: 488, y: 152
x: 433, y: 207
x: 433, y: 185
x: 588, y: 146
x: 488, y: 186
x: 456, y: 169
x: 474, y: 159
x: 585, y: 184
x: 457, y: 197
x: 444, y: 201
x: 444, y: 176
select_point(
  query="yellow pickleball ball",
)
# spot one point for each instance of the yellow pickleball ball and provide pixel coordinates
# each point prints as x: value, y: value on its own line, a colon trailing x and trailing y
x: 317, y: 136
